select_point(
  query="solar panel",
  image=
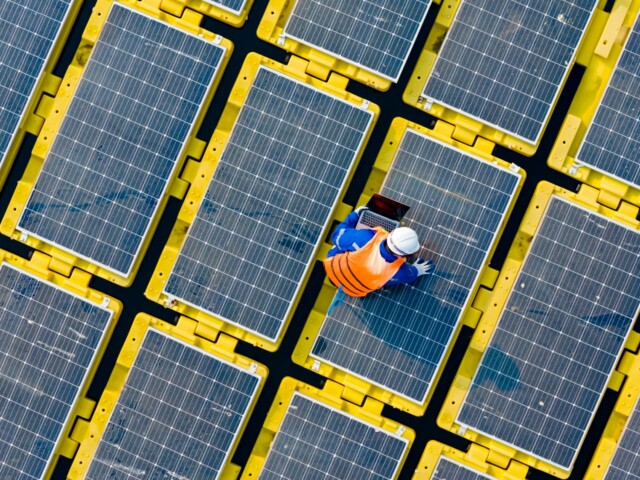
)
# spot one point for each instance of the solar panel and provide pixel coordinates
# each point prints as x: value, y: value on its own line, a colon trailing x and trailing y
x: 234, y: 6
x: 121, y: 137
x: 396, y: 337
x: 177, y: 416
x: 559, y: 335
x: 625, y: 464
x: 447, y: 469
x: 505, y: 62
x: 272, y: 193
x: 612, y: 141
x: 376, y: 35
x: 317, y: 441
x: 28, y: 31
x: 48, y: 341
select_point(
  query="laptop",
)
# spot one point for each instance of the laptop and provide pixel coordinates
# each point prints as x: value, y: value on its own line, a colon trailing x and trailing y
x: 382, y: 212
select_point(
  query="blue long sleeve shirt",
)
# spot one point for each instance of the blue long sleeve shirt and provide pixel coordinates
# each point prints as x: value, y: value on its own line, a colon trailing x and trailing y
x: 346, y: 238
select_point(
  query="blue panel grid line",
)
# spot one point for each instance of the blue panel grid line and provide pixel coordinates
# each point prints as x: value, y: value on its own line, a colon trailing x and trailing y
x: 177, y: 416
x: 612, y: 142
x: 320, y: 442
x: 28, y: 31
x: 447, y: 469
x: 271, y: 195
x: 397, y: 337
x: 504, y: 63
x: 234, y: 6
x: 48, y: 341
x: 376, y: 35
x: 120, y: 140
x: 559, y: 336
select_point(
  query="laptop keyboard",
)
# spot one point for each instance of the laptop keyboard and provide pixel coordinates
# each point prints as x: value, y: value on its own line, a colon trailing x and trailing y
x: 369, y: 219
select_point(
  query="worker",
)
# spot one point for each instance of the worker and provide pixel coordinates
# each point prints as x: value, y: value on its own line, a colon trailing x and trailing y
x: 365, y: 260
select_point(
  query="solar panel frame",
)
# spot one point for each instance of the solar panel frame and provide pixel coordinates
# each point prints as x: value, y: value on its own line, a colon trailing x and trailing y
x: 464, y: 426
x: 195, y: 351
x: 229, y: 5
x: 603, y: 111
x: 174, y: 297
x: 218, y: 43
x: 353, y: 420
x: 24, y: 110
x: 427, y: 100
x: 624, y: 453
x: 454, y: 470
x: 82, y: 384
x: 392, y: 78
x: 513, y: 174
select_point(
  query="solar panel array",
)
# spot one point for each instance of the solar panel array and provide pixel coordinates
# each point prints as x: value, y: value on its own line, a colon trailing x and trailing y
x: 29, y: 29
x: 447, y: 469
x: 317, y: 441
x: 234, y: 6
x: 177, y: 416
x: 396, y: 337
x: 559, y: 335
x: 505, y: 62
x: 612, y: 142
x: 625, y: 464
x: 48, y: 341
x: 272, y: 192
x: 376, y: 35
x: 120, y: 139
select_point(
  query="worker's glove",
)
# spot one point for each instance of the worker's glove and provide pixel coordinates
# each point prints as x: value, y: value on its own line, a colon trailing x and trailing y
x: 361, y: 209
x: 424, y: 267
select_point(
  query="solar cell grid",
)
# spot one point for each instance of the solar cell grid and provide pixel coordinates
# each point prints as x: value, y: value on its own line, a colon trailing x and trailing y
x: 121, y: 137
x: 28, y: 30
x: 612, y: 142
x: 505, y: 62
x: 177, y: 416
x: 273, y: 190
x: 447, y: 469
x: 48, y: 340
x: 625, y: 464
x: 397, y: 337
x: 374, y: 34
x: 559, y: 336
x: 317, y: 441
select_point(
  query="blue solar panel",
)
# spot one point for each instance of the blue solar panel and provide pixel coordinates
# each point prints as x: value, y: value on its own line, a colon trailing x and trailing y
x: 612, y: 142
x: 317, y: 441
x: 234, y: 6
x: 273, y: 191
x: 625, y: 464
x: 177, y: 416
x: 559, y: 335
x: 505, y: 62
x: 397, y: 337
x: 447, y: 469
x: 28, y: 31
x: 121, y: 137
x: 48, y: 341
x: 376, y: 35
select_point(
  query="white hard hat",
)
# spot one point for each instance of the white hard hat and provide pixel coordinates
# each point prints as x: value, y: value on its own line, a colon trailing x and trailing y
x: 403, y: 241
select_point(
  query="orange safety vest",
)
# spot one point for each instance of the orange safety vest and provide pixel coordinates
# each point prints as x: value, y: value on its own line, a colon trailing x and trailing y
x: 363, y: 270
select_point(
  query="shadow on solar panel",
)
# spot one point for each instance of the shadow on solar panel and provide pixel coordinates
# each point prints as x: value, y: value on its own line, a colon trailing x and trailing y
x: 397, y: 338
x: 553, y: 333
